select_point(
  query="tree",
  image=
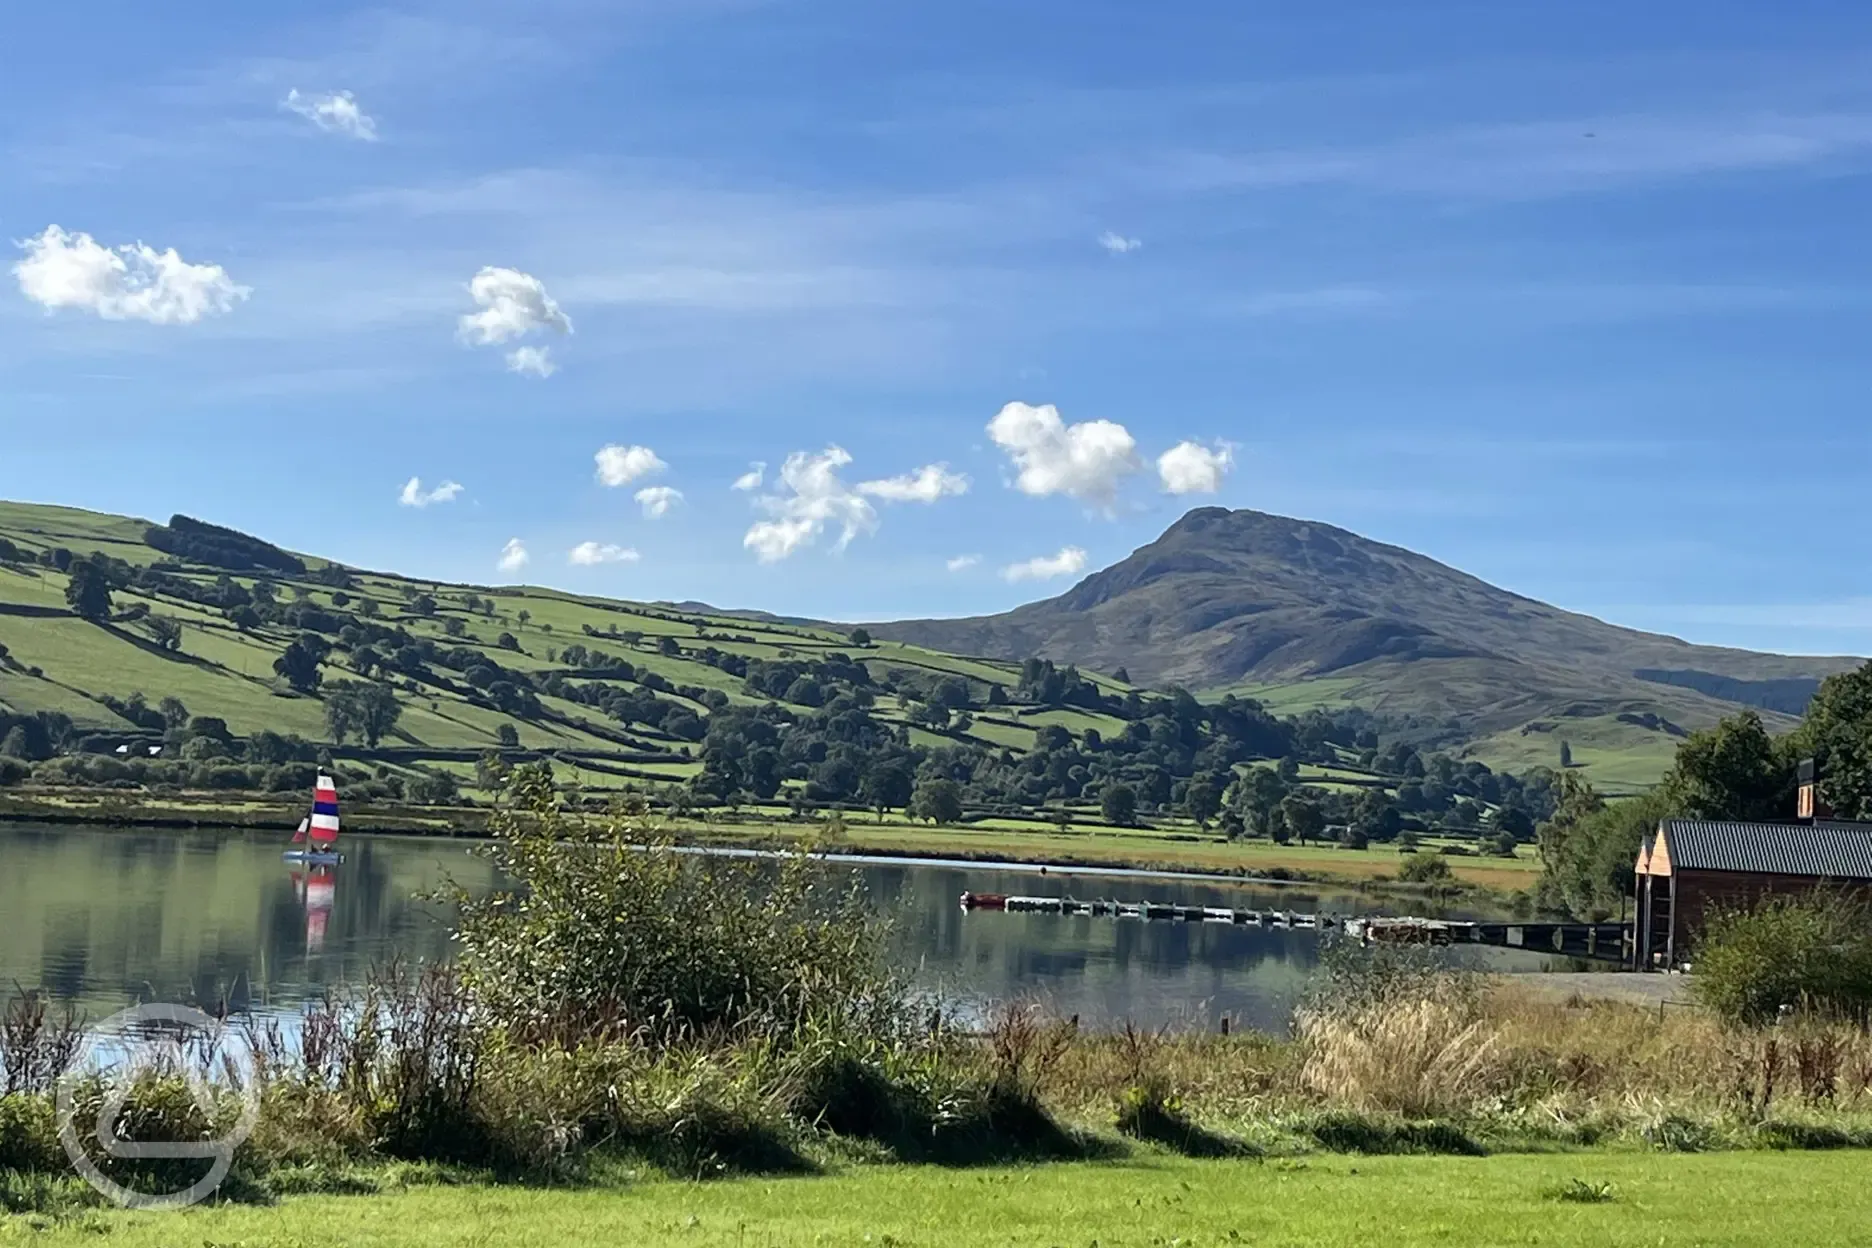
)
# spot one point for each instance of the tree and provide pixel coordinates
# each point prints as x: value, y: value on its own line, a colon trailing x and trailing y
x: 1288, y: 768
x: 298, y: 666
x: 1511, y: 820
x: 509, y: 736
x: 15, y: 745
x: 1837, y: 734
x: 370, y: 710
x: 165, y: 632
x: 1122, y: 676
x: 1732, y: 771
x: 1375, y: 818
x: 455, y: 626
x: 938, y: 800
x: 422, y: 604
x: 340, y: 714
x: 523, y: 615
x: 1118, y: 805
x: 1566, y: 754
x: 175, y: 715
x: 1303, y: 818
x: 861, y: 638
x: 887, y: 786
x: 1203, y: 801
x: 88, y: 592
x: 507, y: 641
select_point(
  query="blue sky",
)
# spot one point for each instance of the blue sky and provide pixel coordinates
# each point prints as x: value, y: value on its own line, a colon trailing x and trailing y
x: 1574, y: 297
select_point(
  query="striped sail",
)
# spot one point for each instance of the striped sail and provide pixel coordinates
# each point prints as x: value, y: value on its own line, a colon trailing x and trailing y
x: 324, y: 830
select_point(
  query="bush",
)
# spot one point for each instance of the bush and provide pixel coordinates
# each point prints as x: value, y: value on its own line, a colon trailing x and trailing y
x: 1812, y: 952
x: 1425, y: 869
x: 629, y: 936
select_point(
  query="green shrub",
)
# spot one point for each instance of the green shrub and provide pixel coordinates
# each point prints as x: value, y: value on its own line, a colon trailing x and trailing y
x: 611, y: 930
x: 1811, y: 952
x: 1425, y: 869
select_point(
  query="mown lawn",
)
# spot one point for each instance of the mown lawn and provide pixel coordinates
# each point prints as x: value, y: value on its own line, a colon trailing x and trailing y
x: 1150, y: 1199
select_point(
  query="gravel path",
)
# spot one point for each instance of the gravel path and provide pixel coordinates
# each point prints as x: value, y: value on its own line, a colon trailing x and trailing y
x: 1606, y: 986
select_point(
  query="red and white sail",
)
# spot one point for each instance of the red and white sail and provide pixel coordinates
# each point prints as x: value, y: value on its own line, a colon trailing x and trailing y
x: 324, y: 821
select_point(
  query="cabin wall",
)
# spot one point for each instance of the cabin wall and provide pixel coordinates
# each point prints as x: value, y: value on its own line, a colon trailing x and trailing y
x: 1700, y: 892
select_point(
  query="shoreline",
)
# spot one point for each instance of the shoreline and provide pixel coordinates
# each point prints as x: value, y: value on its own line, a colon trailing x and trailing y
x: 925, y: 846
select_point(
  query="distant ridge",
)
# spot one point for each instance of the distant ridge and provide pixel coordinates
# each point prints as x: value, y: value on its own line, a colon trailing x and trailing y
x: 1246, y: 599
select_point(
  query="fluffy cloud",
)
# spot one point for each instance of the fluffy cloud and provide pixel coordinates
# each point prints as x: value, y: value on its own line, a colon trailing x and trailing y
x: 813, y: 498
x: 414, y: 495
x: 512, y: 304
x: 658, y: 499
x: 132, y: 282
x: 337, y: 112
x: 1084, y: 461
x: 590, y: 554
x: 513, y: 555
x: 1192, y: 468
x: 752, y: 478
x: 1070, y: 559
x: 531, y: 362
x: 962, y: 563
x: 1118, y: 244
x: 925, y: 485
x: 621, y: 465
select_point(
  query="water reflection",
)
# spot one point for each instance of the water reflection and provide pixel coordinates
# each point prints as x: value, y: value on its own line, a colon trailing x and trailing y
x: 105, y: 917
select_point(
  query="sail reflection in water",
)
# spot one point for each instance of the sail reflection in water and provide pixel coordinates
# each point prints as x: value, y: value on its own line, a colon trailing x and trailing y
x: 108, y: 917
x: 317, y: 888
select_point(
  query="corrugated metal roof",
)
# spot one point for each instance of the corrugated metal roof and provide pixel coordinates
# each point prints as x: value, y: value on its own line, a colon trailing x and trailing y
x: 1835, y: 850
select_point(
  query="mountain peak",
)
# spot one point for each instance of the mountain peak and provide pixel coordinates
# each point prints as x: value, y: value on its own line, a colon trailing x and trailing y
x: 1230, y: 597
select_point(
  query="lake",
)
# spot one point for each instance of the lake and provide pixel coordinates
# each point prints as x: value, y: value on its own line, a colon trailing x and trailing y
x: 107, y: 917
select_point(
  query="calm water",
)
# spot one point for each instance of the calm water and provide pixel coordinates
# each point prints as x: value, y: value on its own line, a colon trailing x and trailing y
x: 109, y: 917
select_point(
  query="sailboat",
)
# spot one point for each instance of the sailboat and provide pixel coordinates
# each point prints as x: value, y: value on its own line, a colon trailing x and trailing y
x: 317, y: 838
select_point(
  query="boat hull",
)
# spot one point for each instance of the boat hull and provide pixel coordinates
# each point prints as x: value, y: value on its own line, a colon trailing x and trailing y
x: 324, y: 856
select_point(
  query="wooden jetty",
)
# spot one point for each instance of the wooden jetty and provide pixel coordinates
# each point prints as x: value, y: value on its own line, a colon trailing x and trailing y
x: 1606, y: 942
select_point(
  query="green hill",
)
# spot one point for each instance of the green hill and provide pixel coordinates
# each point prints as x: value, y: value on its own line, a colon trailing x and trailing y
x: 58, y: 661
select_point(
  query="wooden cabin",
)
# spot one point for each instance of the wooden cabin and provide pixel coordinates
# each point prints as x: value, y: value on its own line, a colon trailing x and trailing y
x: 1692, y: 866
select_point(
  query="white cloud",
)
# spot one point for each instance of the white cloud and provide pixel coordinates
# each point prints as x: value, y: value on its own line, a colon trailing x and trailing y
x: 752, y: 478
x: 816, y: 498
x: 1084, y: 461
x: 337, y: 112
x: 531, y: 362
x: 590, y: 554
x: 658, y: 499
x: 1118, y: 244
x: 962, y: 563
x: 621, y: 465
x: 414, y: 495
x: 132, y: 282
x: 925, y: 485
x: 1192, y: 468
x: 1070, y: 560
x: 512, y: 304
x: 513, y: 555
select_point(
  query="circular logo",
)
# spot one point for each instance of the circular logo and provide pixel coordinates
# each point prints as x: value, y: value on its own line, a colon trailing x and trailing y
x: 149, y: 1038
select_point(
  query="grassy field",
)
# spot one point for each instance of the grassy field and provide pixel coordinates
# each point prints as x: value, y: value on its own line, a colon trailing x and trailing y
x: 1619, y: 756
x: 1149, y: 1199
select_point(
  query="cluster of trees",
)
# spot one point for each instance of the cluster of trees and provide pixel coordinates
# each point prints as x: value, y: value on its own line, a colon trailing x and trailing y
x: 213, y: 546
x: 1736, y: 770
